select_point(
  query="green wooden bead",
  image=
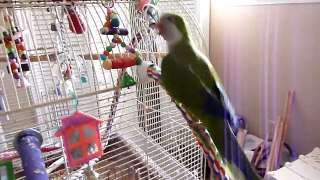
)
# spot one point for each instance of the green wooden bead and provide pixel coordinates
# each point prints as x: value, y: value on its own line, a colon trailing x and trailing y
x: 123, y: 44
x: 109, y: 48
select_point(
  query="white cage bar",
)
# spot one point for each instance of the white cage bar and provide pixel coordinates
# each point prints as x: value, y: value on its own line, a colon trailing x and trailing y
x: 148, y: 139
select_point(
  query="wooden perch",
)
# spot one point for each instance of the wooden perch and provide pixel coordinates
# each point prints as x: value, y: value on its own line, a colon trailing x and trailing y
x: 11, y: 155
x: 279, y: 135
x: 275, y: 145
x: 53, y: 57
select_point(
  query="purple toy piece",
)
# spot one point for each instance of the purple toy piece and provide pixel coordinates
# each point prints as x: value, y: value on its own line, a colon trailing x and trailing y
x: 120, y: 31
x: 28, y: 143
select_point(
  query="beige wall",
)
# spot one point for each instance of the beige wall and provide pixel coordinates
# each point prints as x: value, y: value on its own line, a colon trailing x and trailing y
x: 261, y: 52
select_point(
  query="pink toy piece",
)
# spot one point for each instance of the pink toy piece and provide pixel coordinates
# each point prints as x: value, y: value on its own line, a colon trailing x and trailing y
x: 141, y: 4
x: 11, y: 155
x: 109, y: 11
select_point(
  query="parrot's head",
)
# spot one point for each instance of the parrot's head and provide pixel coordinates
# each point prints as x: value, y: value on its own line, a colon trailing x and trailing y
x: 172, y: 28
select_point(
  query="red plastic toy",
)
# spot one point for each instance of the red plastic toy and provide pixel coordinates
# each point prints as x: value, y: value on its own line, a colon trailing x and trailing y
x: 76, y: 22
x: 81, y: 138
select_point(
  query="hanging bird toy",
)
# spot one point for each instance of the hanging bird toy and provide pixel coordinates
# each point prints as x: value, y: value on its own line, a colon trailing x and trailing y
x: 111, y: 27
x: 14, y: 44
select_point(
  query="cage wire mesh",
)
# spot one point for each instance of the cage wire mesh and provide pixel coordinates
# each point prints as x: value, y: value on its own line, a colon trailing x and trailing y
x: 144, y: 135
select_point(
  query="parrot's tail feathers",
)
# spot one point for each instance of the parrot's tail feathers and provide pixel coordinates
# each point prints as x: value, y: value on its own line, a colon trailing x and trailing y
x: 235, y: 154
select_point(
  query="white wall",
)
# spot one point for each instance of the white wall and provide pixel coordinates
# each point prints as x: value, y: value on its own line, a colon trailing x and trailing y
x: 262, y: 52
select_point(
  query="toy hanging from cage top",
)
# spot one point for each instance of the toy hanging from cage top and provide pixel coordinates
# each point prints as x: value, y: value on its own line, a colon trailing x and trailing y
x: 75, y: 19
x: 149, y: 11
x: 65, y: 55
x: 76, y: 23
x: 111, y: 27
x: 67, y: 75
x: 81, y: 137
x: 17, y: 54
x: 127, y: 80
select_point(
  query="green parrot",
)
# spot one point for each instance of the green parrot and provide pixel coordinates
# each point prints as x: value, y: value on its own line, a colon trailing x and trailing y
x: 190, y: 79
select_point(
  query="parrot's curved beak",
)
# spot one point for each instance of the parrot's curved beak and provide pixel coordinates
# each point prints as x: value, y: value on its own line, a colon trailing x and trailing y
x: 159, y: 26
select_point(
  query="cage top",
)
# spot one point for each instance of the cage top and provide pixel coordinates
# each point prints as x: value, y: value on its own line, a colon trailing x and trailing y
x: 34, y: 2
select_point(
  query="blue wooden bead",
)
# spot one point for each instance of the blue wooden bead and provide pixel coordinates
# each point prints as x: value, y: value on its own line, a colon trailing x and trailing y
x: 115, y: 22
x: 84, y: 78
x: 103, y: 57
x: 59, y: 91
x: 24, y: 57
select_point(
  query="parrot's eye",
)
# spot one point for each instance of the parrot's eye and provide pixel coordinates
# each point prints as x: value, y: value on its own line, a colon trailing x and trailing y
x: 170, y: 19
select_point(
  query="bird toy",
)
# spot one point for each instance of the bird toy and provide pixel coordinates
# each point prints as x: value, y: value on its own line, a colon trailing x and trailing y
x: 148, y: 8
x: 111, y: 27
x: 76, y: 23
x: 75, y: 19
x: 14, y: 43
x: 149, y: 11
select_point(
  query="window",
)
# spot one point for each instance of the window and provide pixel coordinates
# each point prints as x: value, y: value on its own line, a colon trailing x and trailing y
x: 74, y: 137
x: 86, y: 146
x: 88, y: 132
x: 76, y: 153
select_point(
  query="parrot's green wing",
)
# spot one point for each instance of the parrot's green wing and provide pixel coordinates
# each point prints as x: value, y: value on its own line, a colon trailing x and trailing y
x: 206, y: 74
x: 204, y: 70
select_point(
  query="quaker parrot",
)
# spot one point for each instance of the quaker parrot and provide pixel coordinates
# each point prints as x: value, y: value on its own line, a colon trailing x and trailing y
x: 190, y: 79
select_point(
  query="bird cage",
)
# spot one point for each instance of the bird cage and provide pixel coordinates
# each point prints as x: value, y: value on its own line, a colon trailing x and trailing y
x: 53, y: 52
